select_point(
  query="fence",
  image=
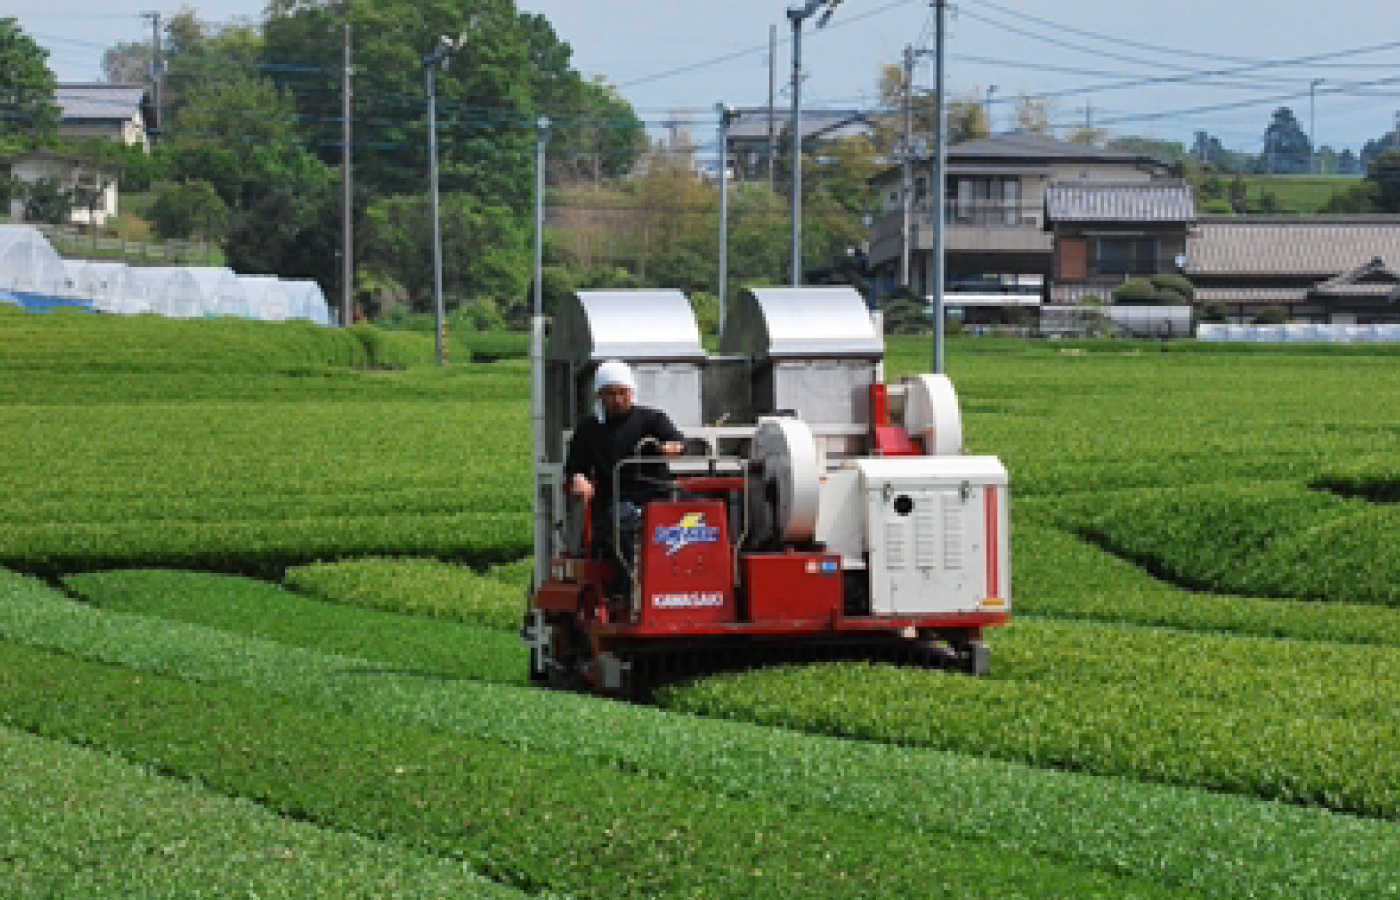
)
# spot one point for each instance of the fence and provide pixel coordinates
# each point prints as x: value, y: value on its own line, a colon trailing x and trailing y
x: 71, y: 241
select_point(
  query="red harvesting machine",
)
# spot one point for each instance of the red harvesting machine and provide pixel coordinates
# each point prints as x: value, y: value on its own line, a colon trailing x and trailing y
x: 818, y: 513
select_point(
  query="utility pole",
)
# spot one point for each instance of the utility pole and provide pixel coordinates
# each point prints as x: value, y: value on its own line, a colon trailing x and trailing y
x: 772, y: 98
x: 347, y: 240
x: 438, y: 57
x: 907, y: 177
x: 940, y: 178
x: 157, y: 66
x: 796, y: 16
x: 1312, y: 123
x: 541, y: 143
x: 987, y: 111
x: 537, y: 391
x: 726, y: 116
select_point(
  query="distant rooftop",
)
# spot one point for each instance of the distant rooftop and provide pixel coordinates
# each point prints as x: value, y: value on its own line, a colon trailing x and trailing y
x: 752, y: 124
x: 1136, y: 202
x: 1316, y: 246
x: 94, y: 102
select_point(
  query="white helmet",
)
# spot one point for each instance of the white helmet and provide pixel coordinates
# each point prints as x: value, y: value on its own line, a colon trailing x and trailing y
x: 614, y: 372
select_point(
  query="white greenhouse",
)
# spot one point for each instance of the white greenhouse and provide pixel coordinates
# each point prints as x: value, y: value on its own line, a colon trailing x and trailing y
x: 305, y: 300
x: 268, y: 297
x: 193, y: 292
x: 31, y: 273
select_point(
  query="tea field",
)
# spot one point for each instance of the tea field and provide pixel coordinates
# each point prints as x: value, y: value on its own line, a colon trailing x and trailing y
x: 259, y: 589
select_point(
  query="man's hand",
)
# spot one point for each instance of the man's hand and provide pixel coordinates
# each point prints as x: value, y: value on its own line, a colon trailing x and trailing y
x: 581, y: 488
x: 673, y: 448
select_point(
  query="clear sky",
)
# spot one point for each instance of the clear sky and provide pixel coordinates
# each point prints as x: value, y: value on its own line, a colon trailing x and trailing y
x: 1214, y: 62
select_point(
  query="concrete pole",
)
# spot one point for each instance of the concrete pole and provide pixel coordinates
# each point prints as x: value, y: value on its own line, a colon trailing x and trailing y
x: 347, y: 231
x: 795, y: 16
x: 940, y: 178
x: 726, y: 115
x: 772, y: 98
x: 541, y: 142
x: 541, y: 506
x: 906, y: 190
x: 437, y: 231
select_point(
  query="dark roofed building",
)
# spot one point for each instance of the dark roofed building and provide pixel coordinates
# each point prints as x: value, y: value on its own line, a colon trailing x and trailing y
x: 1106, y: 233
x: 110, y: 112
x: 994, y: 216
x: 113, y: 112
x: 1321, y: 269
x: 749, y: 134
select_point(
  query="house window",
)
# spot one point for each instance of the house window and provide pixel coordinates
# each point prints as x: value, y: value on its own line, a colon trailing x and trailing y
x: 920, y: 189
x: 1125, y: 256
x: 1011, y: 200
x: 987, y: 201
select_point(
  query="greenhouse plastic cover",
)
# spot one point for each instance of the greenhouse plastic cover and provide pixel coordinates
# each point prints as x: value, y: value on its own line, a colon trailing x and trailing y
x: 33, y: 275
x: 1298, y: 334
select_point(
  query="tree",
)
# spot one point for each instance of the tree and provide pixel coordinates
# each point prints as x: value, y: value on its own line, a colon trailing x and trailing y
x: 485, y: 109
x: 1384, y: 174
x: 48, y: 200
x: 592, y: 128
x: 28, y: 116
x: 189, y: 209
x: 485, y: 249
x: 967, y: 118
x: 1166, y: 152
x: 127, y: 63
x: 1239, y: 194
x: 1034, y: 116
x: 1286, y: 147
x: 1088, y: 136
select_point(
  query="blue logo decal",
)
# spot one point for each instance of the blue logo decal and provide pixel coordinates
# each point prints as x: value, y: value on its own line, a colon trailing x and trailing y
x: 691, y: 529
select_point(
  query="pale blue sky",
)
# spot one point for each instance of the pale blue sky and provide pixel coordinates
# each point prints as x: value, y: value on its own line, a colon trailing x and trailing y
x: 674, y: 60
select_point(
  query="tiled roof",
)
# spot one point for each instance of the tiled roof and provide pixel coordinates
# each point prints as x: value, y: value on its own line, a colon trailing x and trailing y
x: 99, y: 101
x: 1319, y: 247
x: 1372, y: 280
x: 1146, y: 201
x: 752, y: 124
x: 1250, y: 295
x: 1039, y: 148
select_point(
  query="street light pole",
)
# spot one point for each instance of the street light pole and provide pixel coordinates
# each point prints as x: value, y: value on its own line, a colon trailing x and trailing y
x: 430, y: 62
x: 797, y: 15
x: 726, y: 116
x: 1312, y: 123
x: 940, y: 178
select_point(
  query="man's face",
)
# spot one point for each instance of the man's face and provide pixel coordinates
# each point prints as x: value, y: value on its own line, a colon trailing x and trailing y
x: 616, y: 399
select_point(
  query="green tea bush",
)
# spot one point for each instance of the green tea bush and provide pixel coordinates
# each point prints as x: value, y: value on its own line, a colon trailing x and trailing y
x: 79, y: 823
x: 256, y: 609
x: 420, y: 587
x: 346, y: 746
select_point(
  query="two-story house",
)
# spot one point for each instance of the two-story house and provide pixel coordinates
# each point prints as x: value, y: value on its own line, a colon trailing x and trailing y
x: 996, y: 249
x: 110, y: 112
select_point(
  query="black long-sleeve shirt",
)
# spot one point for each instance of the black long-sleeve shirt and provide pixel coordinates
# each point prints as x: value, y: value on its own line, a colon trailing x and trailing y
x: 597, y: 446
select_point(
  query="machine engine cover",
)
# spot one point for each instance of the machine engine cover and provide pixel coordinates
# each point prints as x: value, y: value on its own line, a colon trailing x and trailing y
x: 785, y: 454
x: 937, y: 534
x: 932, y: 414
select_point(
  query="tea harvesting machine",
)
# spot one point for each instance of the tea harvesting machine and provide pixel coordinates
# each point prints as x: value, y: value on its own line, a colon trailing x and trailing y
x: 818, y: 512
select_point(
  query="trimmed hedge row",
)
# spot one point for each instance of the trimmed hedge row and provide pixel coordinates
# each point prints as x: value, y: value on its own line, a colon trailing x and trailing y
x: 1263, y: 540
x: 421, y: 587
x: 1229, y: 714
x: 1059, y: 575
x: 79, y: 823
x: 1197, y: 841
x: 256, y: 609
x: 527, y: 818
